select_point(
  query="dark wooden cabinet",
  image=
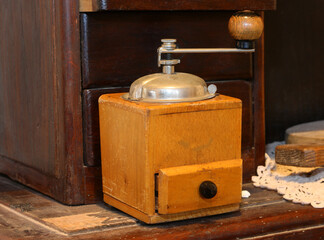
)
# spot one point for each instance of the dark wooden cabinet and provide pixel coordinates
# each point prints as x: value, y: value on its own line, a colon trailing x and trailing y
x: 55, y: 62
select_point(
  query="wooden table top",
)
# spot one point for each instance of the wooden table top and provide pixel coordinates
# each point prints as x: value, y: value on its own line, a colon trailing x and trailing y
x: 27, y: 214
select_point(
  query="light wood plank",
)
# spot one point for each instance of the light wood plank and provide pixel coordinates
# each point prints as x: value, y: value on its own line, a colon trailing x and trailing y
x: 123, y: 147
x: 88, y: 5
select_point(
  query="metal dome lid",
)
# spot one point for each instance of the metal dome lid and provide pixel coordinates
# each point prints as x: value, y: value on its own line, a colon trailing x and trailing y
x: 170, y: 87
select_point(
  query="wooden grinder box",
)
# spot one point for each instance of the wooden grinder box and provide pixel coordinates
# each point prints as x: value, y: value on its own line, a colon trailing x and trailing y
x: 155, y: 157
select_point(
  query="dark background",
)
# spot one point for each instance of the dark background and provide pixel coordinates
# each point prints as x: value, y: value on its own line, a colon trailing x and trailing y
x: 294, y: 64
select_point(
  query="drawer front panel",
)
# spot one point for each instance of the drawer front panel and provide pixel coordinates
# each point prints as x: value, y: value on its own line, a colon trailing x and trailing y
x: 119, y: 47
x: 179, y: 187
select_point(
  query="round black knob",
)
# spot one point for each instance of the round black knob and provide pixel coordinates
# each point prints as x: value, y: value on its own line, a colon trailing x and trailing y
x: 207, y: 189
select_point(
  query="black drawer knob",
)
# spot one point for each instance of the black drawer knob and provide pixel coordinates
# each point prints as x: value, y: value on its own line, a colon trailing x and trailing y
x: 208, y: 189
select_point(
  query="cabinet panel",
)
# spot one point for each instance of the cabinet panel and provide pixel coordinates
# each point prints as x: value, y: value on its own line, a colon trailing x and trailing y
x: 27, y: 88
x: 91, y: 123
x: 40, y: 103
x: 119, y: 47
x: 100, y: 5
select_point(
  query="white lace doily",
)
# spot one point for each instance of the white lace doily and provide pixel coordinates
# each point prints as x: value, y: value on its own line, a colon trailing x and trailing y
x: 299, y: 185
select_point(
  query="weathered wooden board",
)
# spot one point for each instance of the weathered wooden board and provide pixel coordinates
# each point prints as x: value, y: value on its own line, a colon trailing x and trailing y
x: 270, y: 216
x: 41, y: 141
x: 54, y: 217
x: 305, y: 146
x: 300, y: 155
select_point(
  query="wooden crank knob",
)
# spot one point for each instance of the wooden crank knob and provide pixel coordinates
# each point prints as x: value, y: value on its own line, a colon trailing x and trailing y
x: 245, y: 27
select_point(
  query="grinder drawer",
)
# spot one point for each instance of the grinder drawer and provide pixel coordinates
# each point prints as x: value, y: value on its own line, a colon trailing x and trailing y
x: 193, y: 187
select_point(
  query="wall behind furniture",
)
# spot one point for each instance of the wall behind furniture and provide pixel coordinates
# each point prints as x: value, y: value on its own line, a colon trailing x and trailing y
x: 294, y: 65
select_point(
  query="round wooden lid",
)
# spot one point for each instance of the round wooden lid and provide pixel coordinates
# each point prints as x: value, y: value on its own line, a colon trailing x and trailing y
x: 306, y: 133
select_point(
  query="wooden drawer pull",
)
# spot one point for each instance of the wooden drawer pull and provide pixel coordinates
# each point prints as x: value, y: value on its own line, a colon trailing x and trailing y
x: 208, y: 189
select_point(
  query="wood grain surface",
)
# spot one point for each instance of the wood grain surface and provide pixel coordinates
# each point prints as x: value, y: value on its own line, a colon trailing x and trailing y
x: 28, y: 86
x: 245, y: 25
x: 270, y: 216
x: 87, y: 5
x: 305, y: 145
x: 193, y: 133
x: 300, y: 155
x: 41, y: 143
x: 123, y: 155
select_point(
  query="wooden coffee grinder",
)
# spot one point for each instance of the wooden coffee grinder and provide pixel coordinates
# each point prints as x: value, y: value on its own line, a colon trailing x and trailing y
x: 171, y: 147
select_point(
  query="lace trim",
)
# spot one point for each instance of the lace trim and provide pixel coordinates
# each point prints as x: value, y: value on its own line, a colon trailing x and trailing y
x: 299, y: 185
